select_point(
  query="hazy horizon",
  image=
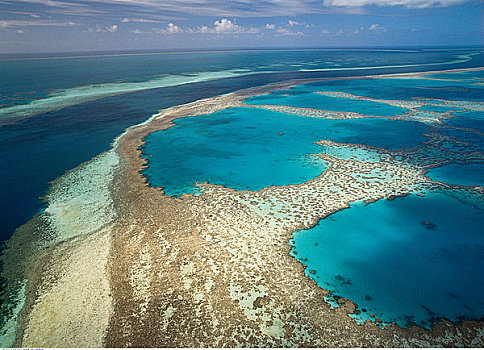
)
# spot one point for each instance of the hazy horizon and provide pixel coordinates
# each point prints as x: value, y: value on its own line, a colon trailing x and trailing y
x: 114, y: 52
x: 58, y: 26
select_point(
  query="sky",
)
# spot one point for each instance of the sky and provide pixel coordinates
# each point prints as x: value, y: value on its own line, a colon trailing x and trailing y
x: 34, y: 26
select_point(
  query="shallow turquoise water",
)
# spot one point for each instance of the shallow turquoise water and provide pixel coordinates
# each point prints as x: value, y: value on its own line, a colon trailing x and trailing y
x: 410, y: 261
x: 476, y: 141
x: 37, y: 150
x: 470, y: 76
x: 71, y: 80
x: 318, y: 101
x: 458, y: 174
x: 251, y: 148
x: 472, y: 119
x: 401, y: 89
x: 438, y: 109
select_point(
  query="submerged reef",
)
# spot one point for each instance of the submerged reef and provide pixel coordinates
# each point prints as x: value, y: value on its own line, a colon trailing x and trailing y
x: 114, y: 262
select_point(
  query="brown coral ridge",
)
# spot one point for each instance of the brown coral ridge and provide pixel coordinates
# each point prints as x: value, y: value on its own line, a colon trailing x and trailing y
x: 208, y: 270
x: 214, y: 270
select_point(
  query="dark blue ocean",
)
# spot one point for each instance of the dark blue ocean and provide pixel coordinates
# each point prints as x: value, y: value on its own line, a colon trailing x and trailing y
x: 57, y: 112
x: 49, y: 141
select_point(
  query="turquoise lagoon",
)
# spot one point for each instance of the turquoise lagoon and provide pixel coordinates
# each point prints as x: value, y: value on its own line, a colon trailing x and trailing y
x: 410, y: 261
x: 439, y: 109
x: 474, y: 120
x: 459, y: 174
x: 401, y: 89
x: 239, y: 148
x: 146, y: 82
x: 475, y: 140
x: 308, y: 99
x: 252, y: 148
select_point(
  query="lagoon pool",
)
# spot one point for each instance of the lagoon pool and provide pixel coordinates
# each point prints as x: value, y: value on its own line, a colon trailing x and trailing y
x: 252, y: 148
x: 411, y: 261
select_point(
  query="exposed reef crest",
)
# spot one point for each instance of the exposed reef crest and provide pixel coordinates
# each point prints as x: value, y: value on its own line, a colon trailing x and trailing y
x: 205, y: 271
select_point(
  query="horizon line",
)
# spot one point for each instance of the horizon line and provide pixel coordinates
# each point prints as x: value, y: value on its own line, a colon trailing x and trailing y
x: 91, y: 53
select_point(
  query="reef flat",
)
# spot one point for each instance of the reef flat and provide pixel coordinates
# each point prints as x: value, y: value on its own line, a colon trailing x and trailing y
x: 113, y: 262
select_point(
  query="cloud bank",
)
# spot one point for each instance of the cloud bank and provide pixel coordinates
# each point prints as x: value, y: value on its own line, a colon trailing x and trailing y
x: 223, y: 8
x: 406, y: 3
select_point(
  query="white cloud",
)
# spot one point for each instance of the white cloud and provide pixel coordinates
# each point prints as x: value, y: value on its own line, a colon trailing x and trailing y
x: 112, y: 29
x: 225, y: 25
x: 270, y: 26
x: 219, y: 27
x: 109, y: 29
x: 222, y: 8
x: 174, y: 29
x: 339, y: 32
x: 36, y: 23
x: 377, y: 28
x: 63, y: 7
x: 292, y: 23
x: 139, y: 20
x: 285, y: 31
x: 325, y: 31
x: 406, y: 3
x: 5, y: 24
x: 30, y: 14
x: 204, y: 29
x: 170, y: 29
x: 160, y: 9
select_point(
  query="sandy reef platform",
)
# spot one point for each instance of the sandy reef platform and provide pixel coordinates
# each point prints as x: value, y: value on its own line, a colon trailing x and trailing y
x: 113, y: 262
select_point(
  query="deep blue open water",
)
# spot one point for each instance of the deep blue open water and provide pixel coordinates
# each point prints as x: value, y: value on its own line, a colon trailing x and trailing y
x: 56, y: 113
x: 51, y: 141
